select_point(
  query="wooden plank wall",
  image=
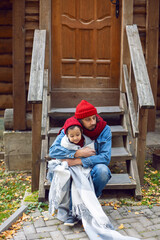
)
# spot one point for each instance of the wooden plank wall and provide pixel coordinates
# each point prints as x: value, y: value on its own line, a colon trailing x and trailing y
x: 139, y: 18
x: 140, y: 14
x: 6, y: 99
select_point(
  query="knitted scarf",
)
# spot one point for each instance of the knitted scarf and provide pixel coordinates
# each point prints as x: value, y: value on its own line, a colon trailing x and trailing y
x: 81, y: 142
x: 93, y: 134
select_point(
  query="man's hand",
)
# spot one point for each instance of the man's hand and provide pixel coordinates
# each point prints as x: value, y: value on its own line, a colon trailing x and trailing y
x: 85, y: 152
x: 73, y: 161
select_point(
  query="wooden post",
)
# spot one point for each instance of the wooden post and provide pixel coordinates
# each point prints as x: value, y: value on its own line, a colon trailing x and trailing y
x: 19, y: 92
x: 141, y: 149
x: 45, y: 23
x: 36, y: 144
x: 152, y: 45
x: 127, y: 19
x: 35, y: 96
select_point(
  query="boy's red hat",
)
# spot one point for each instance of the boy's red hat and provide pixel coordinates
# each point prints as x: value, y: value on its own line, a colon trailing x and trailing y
x: 85, y: 109
x: 71, y: 122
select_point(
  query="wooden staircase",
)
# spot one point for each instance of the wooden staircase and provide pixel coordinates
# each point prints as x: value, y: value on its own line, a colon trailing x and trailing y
x: 128, y: 121
x: 120, y: 153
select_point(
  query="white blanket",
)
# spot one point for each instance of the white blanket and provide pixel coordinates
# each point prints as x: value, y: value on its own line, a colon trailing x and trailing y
x: 85, y: 204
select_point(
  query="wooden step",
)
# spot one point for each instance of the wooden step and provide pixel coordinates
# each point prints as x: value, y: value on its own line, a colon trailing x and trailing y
x: 121, y: 181
x: 118, y: 181
x: 120, y: 154
x: 116, y: 131
x: 58, y: 112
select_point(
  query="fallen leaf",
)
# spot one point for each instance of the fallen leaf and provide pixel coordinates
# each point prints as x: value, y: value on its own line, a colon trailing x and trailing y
x: 136, y: 213
x: 121, y: 226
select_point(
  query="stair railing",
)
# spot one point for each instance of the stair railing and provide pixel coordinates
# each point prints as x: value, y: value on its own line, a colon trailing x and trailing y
x: 139, y: 96
x: 37, y: 96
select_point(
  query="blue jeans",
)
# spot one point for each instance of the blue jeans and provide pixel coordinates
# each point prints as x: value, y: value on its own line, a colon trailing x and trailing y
x: 100, y: 175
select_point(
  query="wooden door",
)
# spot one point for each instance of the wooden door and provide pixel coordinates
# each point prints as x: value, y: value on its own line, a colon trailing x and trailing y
x: 85, y: 52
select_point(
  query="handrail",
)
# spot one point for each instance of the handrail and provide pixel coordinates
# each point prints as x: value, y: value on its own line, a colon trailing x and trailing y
x: 37, y: 96
x: 139, y: 98
x: 35, y: 93
x: 130, y: 102
x: 144, y: 90
x: 44, y: 105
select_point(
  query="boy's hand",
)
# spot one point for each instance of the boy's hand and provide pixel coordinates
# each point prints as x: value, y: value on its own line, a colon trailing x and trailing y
x: 85, y: 152
x: 73, y: 161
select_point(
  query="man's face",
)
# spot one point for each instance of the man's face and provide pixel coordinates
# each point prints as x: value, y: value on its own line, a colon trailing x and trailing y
x: 89, y: 122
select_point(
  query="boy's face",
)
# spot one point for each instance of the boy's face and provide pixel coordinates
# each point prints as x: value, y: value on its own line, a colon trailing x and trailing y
x: 89, y: 122
x: 74, y: 135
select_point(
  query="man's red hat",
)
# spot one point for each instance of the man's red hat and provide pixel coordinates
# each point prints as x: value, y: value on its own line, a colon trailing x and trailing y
x: 85, y: 109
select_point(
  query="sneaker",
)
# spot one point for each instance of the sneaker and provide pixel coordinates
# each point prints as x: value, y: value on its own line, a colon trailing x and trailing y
x: 71, y: 221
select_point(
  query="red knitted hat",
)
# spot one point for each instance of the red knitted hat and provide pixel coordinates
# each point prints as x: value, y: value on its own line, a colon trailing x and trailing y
x: 85, y: 109
x: 70, y: 122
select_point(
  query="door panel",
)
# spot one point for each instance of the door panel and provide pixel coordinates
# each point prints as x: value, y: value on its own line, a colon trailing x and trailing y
x: 85, y: 46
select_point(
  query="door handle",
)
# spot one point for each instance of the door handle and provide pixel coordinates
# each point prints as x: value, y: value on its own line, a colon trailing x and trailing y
x: 116, y: 2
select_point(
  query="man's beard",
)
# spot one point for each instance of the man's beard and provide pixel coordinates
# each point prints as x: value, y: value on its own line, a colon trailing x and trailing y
x: 92, y: 128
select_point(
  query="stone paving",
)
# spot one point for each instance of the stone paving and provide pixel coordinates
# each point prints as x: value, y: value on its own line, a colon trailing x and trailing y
x: 138, y: 221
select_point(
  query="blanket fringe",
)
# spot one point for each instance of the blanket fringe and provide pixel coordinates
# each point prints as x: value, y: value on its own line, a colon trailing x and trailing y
x: 81, y: 212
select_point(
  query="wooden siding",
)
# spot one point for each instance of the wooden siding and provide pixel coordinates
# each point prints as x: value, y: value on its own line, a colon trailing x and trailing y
x: 6, y: 99
x: 140, y: 14
x: 139, y: 18
x: 31, y: 23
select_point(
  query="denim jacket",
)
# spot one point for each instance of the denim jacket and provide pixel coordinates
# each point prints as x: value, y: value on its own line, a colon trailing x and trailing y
x: 102, y: 146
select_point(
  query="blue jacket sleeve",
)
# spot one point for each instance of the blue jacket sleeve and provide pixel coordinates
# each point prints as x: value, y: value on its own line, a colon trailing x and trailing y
x: 103, y: 146
x: 59, y: 152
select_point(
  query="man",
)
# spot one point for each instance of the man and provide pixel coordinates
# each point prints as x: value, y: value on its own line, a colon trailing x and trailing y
x: 97, y: 129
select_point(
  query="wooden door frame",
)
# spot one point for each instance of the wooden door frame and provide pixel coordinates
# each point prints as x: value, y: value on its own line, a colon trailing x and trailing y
x: 45, y: 23
x: 126, y: 19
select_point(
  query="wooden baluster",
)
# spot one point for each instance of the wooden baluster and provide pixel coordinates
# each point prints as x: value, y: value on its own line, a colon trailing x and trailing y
x: 36, y: 144
x: 141, y: 143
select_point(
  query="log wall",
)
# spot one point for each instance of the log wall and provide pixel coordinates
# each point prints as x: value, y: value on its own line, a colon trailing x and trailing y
x: 31, y: 23
x: 6, y: 99
x: 158, y: 92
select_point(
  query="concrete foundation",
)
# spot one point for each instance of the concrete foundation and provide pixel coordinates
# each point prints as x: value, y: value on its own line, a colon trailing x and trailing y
x: 18, y: 149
